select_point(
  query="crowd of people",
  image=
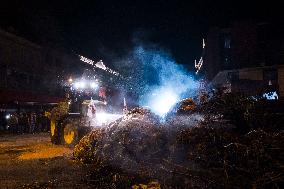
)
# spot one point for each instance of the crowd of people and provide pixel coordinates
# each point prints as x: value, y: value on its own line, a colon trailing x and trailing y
x: 24, y: 122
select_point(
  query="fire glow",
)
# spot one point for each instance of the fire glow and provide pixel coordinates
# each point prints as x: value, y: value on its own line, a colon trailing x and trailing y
x: 161, y: 104
x: 104, y: 118
x: 169, y: 82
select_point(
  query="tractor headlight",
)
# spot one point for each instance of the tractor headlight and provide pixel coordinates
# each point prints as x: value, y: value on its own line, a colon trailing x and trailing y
x: 93, y: 85
x: 80, y: 85
x: 8, y: 116
x: 102, y: 117
x: 85, y: 84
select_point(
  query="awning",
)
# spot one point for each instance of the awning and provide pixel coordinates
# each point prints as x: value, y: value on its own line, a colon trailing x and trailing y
x: 16, y: 96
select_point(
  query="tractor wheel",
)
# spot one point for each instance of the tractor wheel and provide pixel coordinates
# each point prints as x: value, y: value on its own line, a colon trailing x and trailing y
x: 70, y: 135
x: 55, y: 138
x: 67, y: 131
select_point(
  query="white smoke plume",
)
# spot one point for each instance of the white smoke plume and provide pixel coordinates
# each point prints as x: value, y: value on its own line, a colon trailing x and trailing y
x: 157, y: 79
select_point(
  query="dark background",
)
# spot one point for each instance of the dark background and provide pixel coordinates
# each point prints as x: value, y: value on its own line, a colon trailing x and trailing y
x: 106, y: 29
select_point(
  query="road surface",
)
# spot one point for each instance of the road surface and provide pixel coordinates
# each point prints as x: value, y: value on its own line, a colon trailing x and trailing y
x: 31, y: 161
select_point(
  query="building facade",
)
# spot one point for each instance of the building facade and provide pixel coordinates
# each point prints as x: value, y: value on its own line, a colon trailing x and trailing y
x: 251, y: 81
x: 244, y: 44
x: 248, y: 57
x: 27, y: 68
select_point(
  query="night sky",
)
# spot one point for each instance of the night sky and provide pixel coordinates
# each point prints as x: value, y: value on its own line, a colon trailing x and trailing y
x: 106, y: 29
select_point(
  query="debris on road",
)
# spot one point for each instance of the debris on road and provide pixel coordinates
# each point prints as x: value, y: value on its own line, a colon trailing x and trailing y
x: 204, y: 151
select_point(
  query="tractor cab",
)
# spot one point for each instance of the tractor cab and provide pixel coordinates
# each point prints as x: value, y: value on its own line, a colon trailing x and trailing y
x: 85, y: 108
x: 75, y: 117
x: 91, y: 107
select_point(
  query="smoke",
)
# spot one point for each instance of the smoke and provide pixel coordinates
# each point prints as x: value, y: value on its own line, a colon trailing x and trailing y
x: 171, y: 80
x: 158, y: 80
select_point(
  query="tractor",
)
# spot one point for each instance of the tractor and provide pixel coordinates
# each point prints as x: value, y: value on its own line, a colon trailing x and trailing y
x: 78, y: 114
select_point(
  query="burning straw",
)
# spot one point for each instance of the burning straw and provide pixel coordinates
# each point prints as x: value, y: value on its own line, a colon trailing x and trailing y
x: 196, y: 152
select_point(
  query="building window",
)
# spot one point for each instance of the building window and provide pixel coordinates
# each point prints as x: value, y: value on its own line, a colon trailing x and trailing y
x: 227, y: 43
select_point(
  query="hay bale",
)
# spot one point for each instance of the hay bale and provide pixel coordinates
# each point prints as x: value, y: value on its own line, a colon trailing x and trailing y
x: 187, y: 153
x: 130, y: 143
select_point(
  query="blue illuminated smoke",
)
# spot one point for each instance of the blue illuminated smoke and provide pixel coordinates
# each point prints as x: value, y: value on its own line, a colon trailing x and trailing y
x: 167, y: 81
x: 157, y: 79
